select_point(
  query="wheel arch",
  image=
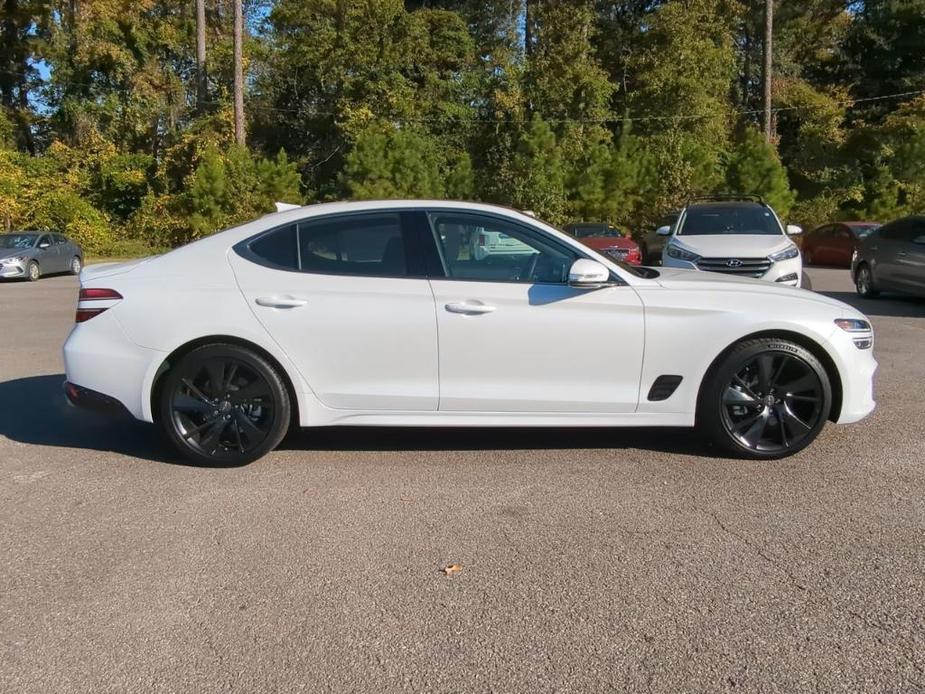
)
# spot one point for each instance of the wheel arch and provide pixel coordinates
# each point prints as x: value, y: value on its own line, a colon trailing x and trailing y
x: 804, y: 341
x: 189, y: 346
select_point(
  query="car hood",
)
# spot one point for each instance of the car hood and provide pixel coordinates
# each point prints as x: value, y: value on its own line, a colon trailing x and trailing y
x: 11, y: 252
x: 733, y: 245
x: 697, y: 280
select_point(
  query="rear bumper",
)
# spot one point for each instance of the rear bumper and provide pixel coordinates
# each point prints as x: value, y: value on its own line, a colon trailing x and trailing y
x: 87, y: 399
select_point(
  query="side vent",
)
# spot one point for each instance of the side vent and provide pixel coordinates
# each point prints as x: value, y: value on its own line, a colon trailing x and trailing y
x: 663, y: 387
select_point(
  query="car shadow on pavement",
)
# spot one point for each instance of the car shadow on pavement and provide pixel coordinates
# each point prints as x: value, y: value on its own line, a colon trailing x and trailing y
x: 389, y: 439
x: 33, y: 410
x: 891, y: 305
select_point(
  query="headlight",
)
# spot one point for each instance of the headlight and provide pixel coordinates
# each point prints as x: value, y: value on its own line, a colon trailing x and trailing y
x: 862, y: 333
x: 785, y: 254
x: 679, y: 253
x: 11, y: 261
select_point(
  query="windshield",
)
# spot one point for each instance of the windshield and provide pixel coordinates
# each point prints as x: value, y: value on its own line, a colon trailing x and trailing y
x: 863, y: 231
x: 729, y: 219
x: 17, y: 240
x: 583, y: 232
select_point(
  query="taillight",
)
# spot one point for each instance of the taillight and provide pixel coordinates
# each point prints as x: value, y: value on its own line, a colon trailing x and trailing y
x: 93, y: 301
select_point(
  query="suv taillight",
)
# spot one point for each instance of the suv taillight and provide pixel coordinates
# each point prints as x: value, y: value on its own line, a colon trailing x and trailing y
x: 92, y: 302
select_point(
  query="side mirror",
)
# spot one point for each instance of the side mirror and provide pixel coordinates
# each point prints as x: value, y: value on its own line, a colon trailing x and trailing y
x: 588, y: 274
x: 794, y: 230
x: 663, y: 231
x: 44, y: 244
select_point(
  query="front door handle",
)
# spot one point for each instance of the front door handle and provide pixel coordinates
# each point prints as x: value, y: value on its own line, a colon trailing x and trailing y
x: 279, y: 302
x: 469, y: 308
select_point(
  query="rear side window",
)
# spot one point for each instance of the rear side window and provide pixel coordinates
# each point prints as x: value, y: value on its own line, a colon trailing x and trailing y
x: 368, y: 245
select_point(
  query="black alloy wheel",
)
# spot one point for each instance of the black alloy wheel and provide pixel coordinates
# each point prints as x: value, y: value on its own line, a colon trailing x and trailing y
x: 768, y: 399
x: 224, y: 405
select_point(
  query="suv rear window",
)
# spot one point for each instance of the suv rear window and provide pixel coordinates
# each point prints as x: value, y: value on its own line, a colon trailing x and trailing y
x: 729, y: 219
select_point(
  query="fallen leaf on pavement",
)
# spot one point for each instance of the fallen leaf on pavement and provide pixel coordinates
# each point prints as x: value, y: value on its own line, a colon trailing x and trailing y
x: 451, y: 569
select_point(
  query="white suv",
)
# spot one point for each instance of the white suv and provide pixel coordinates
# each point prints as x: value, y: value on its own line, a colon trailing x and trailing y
x: 734, y: 236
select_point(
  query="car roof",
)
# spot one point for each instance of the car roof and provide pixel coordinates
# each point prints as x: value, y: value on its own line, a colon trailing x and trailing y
x: 726, y: 203
x: 858, y: 224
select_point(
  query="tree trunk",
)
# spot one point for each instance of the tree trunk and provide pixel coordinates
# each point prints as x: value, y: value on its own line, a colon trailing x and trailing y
x: 768, y: 67
x: 238, y: 72
x: 201, y: 84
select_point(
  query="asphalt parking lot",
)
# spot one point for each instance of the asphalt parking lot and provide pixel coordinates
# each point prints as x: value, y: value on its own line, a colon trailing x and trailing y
x: 627, y: 560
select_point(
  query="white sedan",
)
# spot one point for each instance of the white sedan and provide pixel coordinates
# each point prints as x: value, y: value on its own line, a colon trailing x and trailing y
x: 377, y: 313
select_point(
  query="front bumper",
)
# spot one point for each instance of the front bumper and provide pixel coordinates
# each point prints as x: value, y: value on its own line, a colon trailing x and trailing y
x: 11, y: 270
x: 785, y: 272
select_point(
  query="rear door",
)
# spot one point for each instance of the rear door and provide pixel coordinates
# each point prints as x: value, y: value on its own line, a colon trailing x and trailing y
x: 346, y: 298
x: 63, y: 252
x: 514, y: 337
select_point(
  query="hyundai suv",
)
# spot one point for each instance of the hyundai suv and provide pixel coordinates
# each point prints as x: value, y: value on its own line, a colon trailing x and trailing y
x: 734, y: 235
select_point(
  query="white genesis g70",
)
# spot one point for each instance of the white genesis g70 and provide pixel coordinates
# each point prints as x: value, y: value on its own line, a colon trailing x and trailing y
x: 379, y: 313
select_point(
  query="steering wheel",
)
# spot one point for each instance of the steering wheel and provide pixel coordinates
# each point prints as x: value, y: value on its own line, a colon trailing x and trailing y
x: 526, y: 272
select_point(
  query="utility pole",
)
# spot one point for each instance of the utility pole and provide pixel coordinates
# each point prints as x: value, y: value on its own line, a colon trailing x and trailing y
x: 768, y: 66
x: 238, y: 72
x: 201, y: 84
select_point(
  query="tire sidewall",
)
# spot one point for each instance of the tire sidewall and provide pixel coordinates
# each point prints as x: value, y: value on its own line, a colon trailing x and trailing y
x: 281, y: 411
x: 35, y: 275
x: 710, y: 408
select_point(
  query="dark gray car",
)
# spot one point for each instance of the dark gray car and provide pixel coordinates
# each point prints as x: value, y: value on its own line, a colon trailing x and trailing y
x: 892, y: 258
x: 31, y: 254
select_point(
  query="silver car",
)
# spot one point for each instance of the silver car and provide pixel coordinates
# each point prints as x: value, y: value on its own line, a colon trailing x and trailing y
x: 892, y: 258
x: 31, y: 254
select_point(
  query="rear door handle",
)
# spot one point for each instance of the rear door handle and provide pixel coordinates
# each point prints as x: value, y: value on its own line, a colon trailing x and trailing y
x: 279, y: 302
x: 471, y: 308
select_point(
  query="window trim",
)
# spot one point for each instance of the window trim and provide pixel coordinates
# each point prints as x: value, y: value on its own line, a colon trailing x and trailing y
x: 413, y: 262
x: 552, y: 240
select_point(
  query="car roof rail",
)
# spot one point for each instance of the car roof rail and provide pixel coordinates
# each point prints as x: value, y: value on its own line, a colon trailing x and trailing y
x: 727, y: 197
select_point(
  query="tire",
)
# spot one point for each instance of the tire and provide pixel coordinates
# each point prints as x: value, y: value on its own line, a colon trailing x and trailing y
x: 764, y: 399
x: 223, y: 405
x: 864, y: 282
x: 76, y: 265
x: 33, y: 271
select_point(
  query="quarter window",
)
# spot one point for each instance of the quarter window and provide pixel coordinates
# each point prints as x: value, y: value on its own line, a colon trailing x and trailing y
x: 481, y: 247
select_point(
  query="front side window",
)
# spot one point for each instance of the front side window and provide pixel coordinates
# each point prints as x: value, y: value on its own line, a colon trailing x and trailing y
x: 370, y: 245
x: 45, y: 239
x: 486, y: 248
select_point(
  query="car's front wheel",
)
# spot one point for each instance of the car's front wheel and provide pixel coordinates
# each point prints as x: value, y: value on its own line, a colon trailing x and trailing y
x: 864, y: 282
x: 766, y: 398
x: 224, y: 405
x: 76, y: 265
x: 33, y: 271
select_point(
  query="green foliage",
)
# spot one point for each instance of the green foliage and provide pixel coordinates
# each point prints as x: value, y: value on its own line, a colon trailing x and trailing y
x: 578, y: 109
x: 754, y: 168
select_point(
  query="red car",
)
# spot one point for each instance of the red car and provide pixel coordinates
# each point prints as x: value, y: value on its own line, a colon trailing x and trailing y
x: 833, y: 244
x: 607, y: 240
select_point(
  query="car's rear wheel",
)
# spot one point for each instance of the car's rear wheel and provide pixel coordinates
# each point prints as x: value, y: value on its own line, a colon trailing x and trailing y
x: 864, y: 282
x: 33, y: 271
x: 76, y: 265
x: 224, y: 405
x: 766, y: 399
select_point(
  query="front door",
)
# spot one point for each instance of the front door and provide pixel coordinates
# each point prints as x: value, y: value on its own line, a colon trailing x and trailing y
x: 341, y: 296
x: 514, y: 337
